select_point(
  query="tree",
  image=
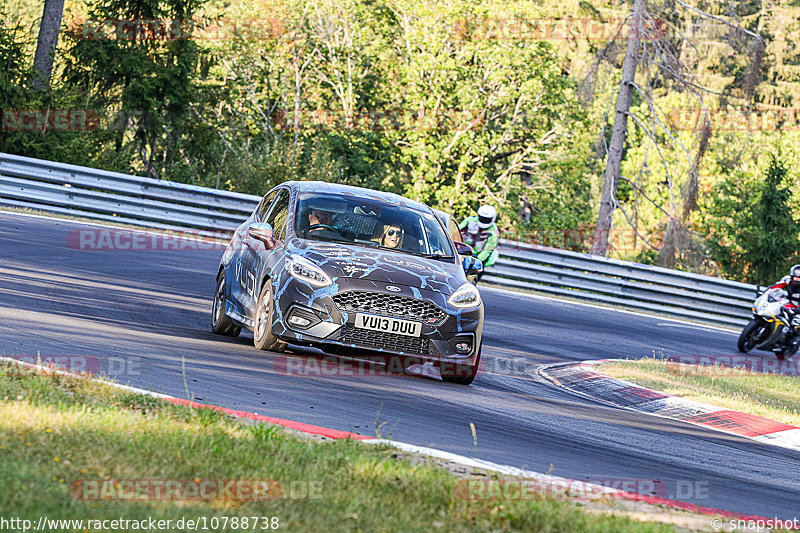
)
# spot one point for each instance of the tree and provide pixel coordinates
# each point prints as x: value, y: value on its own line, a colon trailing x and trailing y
x: 47, y: 42
x: 663, y: 52
x: 608, y: 198
x: 14, y: 68
x: 753, y: 241
x: 776, y: 242
x: 483, y: 118
x: 142, y: 71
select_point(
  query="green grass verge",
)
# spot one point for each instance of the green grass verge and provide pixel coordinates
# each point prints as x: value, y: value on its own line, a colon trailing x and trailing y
x: 772, y: 396
x: 56, y: 430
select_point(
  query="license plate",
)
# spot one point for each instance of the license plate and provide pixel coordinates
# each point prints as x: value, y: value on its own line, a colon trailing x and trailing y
x: 388, y: 325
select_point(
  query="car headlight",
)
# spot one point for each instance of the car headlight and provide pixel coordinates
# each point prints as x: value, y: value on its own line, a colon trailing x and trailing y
x: 465, y: 296
x: 306, y: 271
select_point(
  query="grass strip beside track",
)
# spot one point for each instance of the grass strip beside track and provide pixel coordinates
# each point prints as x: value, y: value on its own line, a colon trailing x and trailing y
x: 57, y: 431
x: 772, y: 396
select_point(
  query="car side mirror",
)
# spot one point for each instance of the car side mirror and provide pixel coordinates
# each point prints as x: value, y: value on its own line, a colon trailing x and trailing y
x: 472, y: 266
x: 261, y: 231
x: 464, y: 249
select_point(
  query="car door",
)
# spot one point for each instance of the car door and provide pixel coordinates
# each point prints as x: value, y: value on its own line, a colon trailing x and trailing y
x: 236, y: 271
x: 256, y: 258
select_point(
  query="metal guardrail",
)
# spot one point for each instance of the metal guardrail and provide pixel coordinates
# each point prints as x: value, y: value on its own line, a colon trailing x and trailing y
x: 622, y: 283
x: 111, y: 196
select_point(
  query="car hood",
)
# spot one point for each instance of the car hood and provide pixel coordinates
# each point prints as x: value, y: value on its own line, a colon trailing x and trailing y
x: 382, y: 266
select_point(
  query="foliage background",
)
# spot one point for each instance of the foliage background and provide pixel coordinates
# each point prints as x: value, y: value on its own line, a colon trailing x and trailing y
x: 453, y: 103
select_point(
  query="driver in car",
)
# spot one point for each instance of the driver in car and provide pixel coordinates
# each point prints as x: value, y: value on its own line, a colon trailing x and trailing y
x: 317, y: 218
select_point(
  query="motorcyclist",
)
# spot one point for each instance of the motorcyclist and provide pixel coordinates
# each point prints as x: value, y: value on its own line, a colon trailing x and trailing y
x: 791, y: 284
x: 482, y: 234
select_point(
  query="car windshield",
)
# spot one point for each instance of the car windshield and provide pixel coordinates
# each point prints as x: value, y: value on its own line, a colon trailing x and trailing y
x: 370, y: 222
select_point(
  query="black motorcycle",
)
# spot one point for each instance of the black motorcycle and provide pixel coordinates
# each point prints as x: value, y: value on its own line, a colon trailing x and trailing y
x: 773, y: 327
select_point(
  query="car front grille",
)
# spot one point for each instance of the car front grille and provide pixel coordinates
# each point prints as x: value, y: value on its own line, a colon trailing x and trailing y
x: 349, y: 334
x: 379, y: 303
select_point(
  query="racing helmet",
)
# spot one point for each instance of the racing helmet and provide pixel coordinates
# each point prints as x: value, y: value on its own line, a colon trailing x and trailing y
x: 487, y: 214
x: 794, y: 276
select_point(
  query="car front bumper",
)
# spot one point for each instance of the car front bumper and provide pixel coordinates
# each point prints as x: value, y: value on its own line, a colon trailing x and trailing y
x: 333, y: 328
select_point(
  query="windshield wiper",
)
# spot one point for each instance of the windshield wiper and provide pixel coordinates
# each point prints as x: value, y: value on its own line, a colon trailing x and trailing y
x: 372, y: 244
x: 438, y: 257
x: 416, y: 254
x: 328, y: 239
x: 382, y: 247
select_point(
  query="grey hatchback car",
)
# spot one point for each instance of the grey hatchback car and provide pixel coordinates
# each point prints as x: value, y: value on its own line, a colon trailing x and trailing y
x: 351, y: 271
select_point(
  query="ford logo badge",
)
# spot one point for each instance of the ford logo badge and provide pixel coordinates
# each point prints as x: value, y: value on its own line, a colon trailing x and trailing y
x: 392, y: 288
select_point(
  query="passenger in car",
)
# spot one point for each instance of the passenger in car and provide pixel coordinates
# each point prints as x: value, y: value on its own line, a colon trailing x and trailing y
x: 392, y: 236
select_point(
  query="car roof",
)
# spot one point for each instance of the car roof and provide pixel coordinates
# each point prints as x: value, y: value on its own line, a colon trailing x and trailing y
x: 337, y: 188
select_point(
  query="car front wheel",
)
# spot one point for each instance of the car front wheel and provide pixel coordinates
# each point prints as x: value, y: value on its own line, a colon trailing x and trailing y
x: 460, y: 374
x: 262, y: 329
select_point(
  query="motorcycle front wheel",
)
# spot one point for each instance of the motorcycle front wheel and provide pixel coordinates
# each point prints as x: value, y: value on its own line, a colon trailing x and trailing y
x: 750, y: 336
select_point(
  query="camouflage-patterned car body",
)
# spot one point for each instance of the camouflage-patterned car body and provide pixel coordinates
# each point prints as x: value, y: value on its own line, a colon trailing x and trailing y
x: 248, y: 265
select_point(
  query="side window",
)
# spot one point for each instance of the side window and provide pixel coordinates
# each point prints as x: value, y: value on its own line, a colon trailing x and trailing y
x: 278, y: 214
x: 452, y: 228
x: 263, y: 209
x: 435, y: 239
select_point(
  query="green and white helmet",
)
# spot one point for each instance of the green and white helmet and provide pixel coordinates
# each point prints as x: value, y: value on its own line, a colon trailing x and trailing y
x: 487, y: 214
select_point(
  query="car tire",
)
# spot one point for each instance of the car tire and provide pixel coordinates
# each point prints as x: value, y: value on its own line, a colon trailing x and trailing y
x: 221, y: 324
x: 461, y: 374
x: 263, y: 339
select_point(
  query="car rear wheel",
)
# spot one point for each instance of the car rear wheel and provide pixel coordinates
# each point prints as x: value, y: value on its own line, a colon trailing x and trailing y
x: 263, y: 339
x: 221, y: 324
x: 460, y: 374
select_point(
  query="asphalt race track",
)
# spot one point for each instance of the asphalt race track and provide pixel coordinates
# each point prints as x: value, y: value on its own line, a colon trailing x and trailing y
x: 142, y: 315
